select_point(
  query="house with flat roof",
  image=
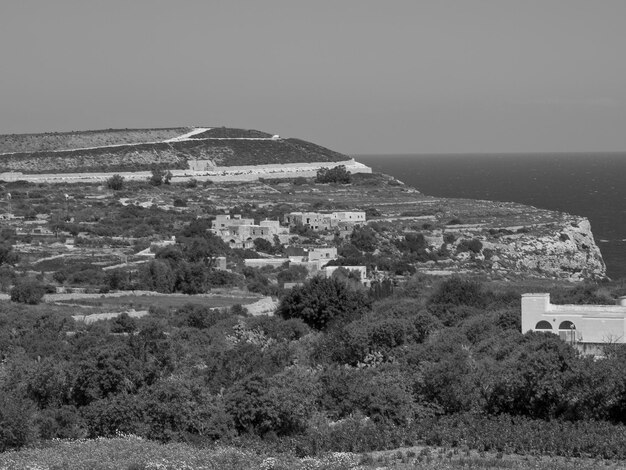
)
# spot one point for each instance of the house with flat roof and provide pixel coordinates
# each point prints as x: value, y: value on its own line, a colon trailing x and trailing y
x: 239, y: 232
x: 587, y: 327
x: 320, y: 221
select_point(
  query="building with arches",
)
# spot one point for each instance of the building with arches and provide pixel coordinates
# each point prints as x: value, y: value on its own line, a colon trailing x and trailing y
x: 587, y: 327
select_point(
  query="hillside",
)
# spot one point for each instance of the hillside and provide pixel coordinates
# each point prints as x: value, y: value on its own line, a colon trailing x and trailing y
x: 195, y: 149
x: 55, y: 141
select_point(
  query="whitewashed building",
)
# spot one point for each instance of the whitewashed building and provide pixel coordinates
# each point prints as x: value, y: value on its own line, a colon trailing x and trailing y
x: 588, y: 327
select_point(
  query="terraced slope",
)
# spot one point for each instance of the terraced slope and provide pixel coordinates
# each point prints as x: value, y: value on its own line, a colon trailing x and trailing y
x: 133, y: 151
x: 28, y: 143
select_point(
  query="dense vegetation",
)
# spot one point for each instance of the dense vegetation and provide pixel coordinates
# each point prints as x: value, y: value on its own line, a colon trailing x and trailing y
x: 339, y: 174
x: 441, y: 364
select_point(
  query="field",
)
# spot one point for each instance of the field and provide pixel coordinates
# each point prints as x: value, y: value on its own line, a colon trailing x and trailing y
x: 83, y: 139
x: 132, y: 453
x: 144, y: 302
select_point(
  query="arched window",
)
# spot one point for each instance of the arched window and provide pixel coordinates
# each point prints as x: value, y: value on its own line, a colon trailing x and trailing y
x: 543, y: 325
x: 567, y: 331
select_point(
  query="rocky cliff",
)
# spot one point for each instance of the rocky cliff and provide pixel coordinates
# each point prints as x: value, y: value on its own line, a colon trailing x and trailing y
x: 563, y: 249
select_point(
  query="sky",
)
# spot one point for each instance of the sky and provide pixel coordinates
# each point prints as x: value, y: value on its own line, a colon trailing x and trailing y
x: 357, y: 76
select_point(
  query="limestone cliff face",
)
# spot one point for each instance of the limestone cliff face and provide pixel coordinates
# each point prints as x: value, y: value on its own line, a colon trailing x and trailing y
x: 566, y: 251
x: 563, y: 249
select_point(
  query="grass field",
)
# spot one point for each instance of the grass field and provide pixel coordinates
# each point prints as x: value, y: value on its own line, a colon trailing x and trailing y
x: 144, y: 302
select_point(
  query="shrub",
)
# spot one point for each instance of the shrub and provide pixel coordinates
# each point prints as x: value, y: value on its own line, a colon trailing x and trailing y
x: 123, y: 324
x: 16, y: 422
x: 474, y: 245
x: 449, y: 238
x: 28, y: 291
x: 322, y: 302
x: 115, y: 182
x: 458, y: 291
x: 160, y: 176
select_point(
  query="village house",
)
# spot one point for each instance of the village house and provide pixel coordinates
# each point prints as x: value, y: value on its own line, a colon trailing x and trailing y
x: 226, y: 220
x: 319, y: 221
x: 239, y: 232
x: 312, y: 257
x: 587, y: 327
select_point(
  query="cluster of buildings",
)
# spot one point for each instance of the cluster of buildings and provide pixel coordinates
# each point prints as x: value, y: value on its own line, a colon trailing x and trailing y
x: 312, y: 257
x: 587, y: 327
x: 240, y: 232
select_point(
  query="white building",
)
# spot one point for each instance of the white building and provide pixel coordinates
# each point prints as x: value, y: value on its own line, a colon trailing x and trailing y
x: 588, y: 327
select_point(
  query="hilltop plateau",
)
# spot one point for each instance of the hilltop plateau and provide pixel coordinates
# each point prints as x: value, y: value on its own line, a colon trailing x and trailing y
x: 186, y: 152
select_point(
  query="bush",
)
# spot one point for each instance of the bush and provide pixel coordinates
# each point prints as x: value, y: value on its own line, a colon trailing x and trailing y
x: 16, y: 422
x: 115, y: 182
x: 457, y: 291
x: 474, y: 245
x: 322, y: 302
x: 160, y: 176
x: 28, y: 291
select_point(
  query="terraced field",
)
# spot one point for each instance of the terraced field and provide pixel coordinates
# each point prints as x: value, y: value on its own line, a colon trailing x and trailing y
x: 28, y: 143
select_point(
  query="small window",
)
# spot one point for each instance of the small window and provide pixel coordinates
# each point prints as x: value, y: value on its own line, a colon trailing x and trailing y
x: 543, y: 325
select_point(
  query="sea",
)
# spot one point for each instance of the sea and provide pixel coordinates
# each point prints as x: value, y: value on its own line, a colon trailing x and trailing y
x: 592, y: 185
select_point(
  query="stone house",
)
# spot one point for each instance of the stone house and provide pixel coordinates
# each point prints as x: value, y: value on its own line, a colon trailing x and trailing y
x: 319, y: 221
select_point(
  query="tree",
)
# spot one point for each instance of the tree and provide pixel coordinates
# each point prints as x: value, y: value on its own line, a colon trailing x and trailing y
x: 457, y: 291
x: 191, y: 278
x: 364, y: 239
x: 27, y: 291
x: 322, y: 302
x: 123, y: 323
x: 16, y: 421
x: 160, y: 176
x: 7, y: 255
x: 115, y: 182
x: 339, y: 174
x: 262, y: 245
x: 533, y: 381
x: 293, y: 273
x: 158, y: 276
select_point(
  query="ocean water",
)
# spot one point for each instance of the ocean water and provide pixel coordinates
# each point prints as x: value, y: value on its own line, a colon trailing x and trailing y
x: 587, y: 184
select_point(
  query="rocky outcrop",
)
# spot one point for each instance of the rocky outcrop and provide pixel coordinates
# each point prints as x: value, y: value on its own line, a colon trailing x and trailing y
x: 560, y: 250
x: 567, y: 252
